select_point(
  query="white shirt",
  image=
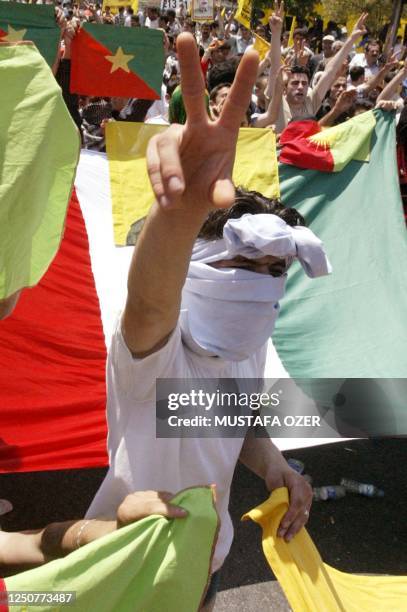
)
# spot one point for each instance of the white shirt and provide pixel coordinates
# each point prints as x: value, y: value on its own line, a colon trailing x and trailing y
x: 152, y: 23
x: 360, y: 60
x: 140, y: 461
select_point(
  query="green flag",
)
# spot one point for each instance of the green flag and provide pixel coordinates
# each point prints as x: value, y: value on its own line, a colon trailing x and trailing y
x: 39, y: 150
x: 350, y: 324
x: 154, y: 565
x: 34, y: 22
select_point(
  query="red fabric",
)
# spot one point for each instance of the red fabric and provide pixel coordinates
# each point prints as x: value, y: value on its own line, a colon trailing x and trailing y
x: 3, y: 590
x: 298, y: 150
x: 52, y: 366
x: 204, y: 66
x: 90, y: 72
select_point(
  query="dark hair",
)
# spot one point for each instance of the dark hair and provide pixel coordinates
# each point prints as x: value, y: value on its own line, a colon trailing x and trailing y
x: 214, y: 91
x: 172, y: 86
x: 390, y: 76
x: 224, y: 72
x: 300, y: 32
x: 300, y: 70
x: 363, y: 103
x: 251, y: 202
x: 373, y: 41
x: 356, y: 72
x: 171, y: 13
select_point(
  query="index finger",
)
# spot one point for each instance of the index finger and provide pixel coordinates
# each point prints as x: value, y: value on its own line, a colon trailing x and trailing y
x: 239, y: 96
x: 192, y: 81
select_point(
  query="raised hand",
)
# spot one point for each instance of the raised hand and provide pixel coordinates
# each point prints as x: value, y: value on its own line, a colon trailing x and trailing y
x: 276, y: 20
x: 359, y: 29
x: 301, y: 56
x: 191, y: 165
x: 345, y: 100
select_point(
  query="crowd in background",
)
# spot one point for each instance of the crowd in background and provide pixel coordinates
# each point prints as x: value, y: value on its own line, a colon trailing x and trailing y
x: 329, y: 74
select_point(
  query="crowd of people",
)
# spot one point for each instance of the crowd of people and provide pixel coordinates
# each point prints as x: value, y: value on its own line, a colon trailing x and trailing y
x: 329, y: 74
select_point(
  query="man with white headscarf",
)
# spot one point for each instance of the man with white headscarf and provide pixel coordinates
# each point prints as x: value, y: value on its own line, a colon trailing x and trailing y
x: 201, y: 308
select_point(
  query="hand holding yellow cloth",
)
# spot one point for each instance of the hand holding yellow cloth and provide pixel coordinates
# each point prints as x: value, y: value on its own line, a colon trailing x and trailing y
x: 311, y: 585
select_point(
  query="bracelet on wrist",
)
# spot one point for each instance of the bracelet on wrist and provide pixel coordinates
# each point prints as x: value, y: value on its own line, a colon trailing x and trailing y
x: 80, y: 532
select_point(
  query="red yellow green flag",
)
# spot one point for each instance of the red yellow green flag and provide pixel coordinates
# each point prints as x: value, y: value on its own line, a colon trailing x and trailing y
x: 305, y: 145
x: 117, y: 61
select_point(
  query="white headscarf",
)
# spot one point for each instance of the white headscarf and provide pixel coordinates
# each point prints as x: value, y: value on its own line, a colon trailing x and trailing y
x: 231, y: 312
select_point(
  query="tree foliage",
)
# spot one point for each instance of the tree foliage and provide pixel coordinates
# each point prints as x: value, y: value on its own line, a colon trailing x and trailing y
x: 299, y: 8
x: 341, y: 10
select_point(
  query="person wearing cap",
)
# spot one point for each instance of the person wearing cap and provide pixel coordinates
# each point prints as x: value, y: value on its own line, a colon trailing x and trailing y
x: 318, y: 62
x: 207, y: 274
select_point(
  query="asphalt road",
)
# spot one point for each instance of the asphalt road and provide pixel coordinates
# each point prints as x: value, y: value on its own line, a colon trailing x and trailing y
x: 354, y: 534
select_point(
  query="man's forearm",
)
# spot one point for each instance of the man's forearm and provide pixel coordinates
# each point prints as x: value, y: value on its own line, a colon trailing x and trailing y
x: 275, y: 58
x: 157, y: 275
x: 260, y: 455
x: 329, y: 119
x: 391, y: 88
x: 331, y: 70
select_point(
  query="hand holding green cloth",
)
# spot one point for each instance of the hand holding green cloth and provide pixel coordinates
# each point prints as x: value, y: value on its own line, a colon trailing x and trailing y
x: 39, y: 151
x: 153, y: 565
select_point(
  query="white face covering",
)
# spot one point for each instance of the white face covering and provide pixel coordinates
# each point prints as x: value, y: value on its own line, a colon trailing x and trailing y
x: 231, y: 312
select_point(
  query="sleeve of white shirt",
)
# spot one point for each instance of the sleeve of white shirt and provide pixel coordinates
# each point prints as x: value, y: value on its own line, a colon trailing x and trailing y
x: 137, y: 377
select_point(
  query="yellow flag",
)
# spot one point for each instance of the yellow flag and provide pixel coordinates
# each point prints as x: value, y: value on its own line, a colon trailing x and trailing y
x: 310, y: 584
x: 293, y: 26
x: 244, y: 13
x: 126, y: 144
x: 402, y: 27
x: 262, y: 46
x: 116, y: 4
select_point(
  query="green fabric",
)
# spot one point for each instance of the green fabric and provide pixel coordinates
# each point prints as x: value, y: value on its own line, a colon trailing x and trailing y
x: 39, y: 150
x: 348, y: 140
x: 39, y: 23
x: 145, y: 44
x: 352, y: 323
x: 176, y: 110
x: 154, y: 565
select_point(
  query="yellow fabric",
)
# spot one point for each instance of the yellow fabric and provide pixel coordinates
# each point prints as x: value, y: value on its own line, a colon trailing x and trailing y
x: 348, y: 140
x: 291, y: 37
x: 116, y: 4
x: 244, y: 12
x: 132, y: 196
x: 262, y: 46
x: 402, y: 27
x: 311, y: 585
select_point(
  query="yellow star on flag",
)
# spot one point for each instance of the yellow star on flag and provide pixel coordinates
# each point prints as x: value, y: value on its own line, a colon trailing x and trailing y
x: 14, y: 35
x: 119, y: 60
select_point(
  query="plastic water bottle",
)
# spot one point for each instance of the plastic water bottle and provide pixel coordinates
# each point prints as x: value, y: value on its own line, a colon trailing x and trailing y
x: 296, y: 465
x: 328, y: 492
x: 362, y: 488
